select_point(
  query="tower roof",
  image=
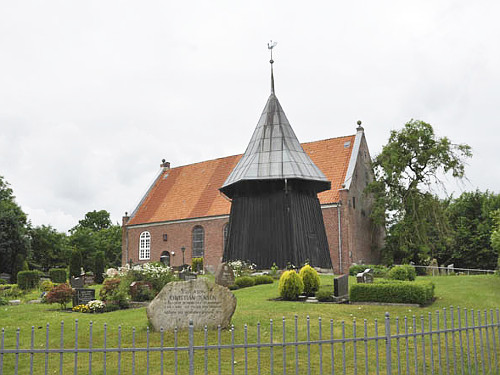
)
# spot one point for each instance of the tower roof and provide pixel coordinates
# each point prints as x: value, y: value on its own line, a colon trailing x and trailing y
x: 275, y: 153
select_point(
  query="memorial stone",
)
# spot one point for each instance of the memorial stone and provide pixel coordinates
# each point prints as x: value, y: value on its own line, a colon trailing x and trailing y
x: 83, y: 296
x: 136, y: 288
x: 76, y: 282
x: 341, y: 286
x: 200, y: 301
x: 224, y: 275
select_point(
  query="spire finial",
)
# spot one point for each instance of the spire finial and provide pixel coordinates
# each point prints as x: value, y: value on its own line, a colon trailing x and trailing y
x: 270, y: 46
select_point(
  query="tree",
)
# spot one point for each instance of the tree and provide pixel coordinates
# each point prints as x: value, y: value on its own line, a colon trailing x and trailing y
x: 95, y: 221
x: 49, y: 248
x: 14, y: 243
x: 99, y: 267
x: 495, y: 235
x: 76, y: 263
x: 470, y: 217
x: 406, y: 171
x: 96, y: 233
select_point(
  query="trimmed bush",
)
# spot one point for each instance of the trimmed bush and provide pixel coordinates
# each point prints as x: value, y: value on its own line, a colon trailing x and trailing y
x: 197, y: 264
x: 263, y: 279
x: 60, y: 294
x: 290, y: 285
x: 46, y: 285
x: 310, y: 278
x: 378, y: 269
x: 325, y: 294
x: 28, y: 279
x: 244, y: 281
x: 58, y: 275
x: 403, y: 273
x: 393, y: 292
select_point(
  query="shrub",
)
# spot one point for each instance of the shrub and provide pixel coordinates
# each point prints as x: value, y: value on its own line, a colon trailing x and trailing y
x: 2, y: 282
x: 118, y: 298
x: 99, y: 267
x: 46, y: 285
x: 244, y: 281
x: 403, y: 273
x: 290, y: 285
x: 58, y: 275
x: 393, y: 292
x: 241, y: 267
x: 3, y: 301
x: 10, y: 291
x: 263, y: 279
x: 109, y: 287
x: 28, y: 279
x: 75, y: 263
x: 156, y: 273
x: 61, y: 294
x: 143, y: 293
x: 378, y: 269
x: 310, y: 278
x: 197, y: 264
x: 96, y: 306
x: 325, y: 294
x: 275, y: 274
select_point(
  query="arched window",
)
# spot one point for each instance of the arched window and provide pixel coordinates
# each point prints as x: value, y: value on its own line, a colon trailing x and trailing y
x: 144, y: 246
x: 225, y: 232
x: 198, y: 242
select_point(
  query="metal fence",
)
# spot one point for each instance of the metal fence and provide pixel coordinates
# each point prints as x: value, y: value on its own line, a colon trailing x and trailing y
x: 451, y: 341
x: 452, y: 270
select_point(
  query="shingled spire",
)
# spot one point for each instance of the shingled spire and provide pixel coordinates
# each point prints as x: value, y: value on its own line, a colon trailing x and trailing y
x: 274, y: 152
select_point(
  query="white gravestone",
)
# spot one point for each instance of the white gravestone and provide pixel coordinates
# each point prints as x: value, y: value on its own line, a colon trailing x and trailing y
x: 199, y: 300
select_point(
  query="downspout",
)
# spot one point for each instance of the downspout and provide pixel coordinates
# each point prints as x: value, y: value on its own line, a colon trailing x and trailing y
x: 340, y: 237
x: 126, y: 245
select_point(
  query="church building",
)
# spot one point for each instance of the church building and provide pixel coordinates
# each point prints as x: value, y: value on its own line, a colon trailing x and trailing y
x: 183, y: 214
x: 291, y: 202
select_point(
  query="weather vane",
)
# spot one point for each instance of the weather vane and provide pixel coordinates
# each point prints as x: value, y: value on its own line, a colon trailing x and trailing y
x: 270, y: 46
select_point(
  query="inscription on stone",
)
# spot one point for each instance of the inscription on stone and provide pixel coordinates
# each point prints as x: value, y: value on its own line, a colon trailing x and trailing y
x: 83, y: 296
x: 198, y: 300
x: 224, y: 275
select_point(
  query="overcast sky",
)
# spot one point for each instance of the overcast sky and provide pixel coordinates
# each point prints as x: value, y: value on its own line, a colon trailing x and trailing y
x: 93, y: 94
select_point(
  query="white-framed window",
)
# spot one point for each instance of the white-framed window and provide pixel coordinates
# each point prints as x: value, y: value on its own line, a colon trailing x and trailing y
x: 198, y: 242
x: 144, y: 246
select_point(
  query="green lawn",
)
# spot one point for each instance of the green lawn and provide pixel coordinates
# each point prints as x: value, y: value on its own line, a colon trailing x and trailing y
x: 255, y: 305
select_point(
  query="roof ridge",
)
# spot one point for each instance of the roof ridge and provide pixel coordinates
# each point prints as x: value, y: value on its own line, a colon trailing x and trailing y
x: 235, y: 155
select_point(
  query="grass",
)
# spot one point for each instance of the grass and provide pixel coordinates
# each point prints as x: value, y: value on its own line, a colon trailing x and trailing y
x: 255, y: 308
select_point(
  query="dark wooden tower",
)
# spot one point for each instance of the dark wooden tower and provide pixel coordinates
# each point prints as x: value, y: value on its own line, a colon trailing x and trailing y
x: 275, y: 212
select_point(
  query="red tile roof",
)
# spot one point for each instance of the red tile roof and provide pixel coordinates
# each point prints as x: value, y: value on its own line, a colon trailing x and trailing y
x: 192, y: 191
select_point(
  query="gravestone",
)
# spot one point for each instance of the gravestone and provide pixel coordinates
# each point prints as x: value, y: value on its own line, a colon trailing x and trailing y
x: 76, y: 282
x: 136, y: 286
x: 5, y: 276
x: 224, y: 275
x: 200, y: 300
x: 83, y: 296
x: 88, y: 279
x: 365, y: 277
x: 341, y: 287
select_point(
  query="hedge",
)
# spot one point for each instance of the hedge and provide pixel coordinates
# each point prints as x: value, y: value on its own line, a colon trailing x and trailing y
x: 28, y: 279
x: 58, y: 275
x: 393, y: 292
x: 403, y: 272
x: 244, y: 281
x: 378, y: 269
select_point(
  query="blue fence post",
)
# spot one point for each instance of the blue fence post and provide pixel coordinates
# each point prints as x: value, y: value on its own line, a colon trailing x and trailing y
x: 388, y: 363
x: 191, y: 350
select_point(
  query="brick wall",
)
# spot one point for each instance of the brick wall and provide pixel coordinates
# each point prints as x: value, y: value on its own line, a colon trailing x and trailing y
x: 179, y: 234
